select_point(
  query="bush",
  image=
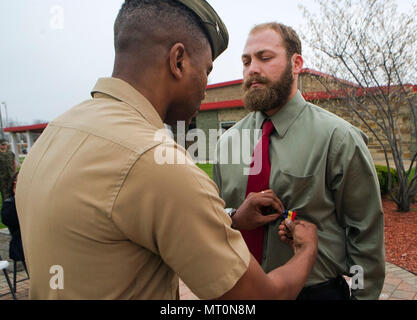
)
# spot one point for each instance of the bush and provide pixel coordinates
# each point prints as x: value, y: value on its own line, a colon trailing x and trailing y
x: 382, y: 172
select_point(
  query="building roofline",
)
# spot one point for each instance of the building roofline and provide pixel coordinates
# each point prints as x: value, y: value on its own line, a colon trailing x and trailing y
x: 225, y: 84
x: 228, y: 104
x: 325, y: 75
x: 33, y: 127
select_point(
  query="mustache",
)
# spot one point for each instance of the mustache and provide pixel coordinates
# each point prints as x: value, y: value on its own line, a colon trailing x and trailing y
x: 248, y: 82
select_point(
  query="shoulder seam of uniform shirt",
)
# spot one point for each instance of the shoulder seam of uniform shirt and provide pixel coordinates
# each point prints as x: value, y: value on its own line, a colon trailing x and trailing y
x: 135, y: 156
x: 74, y: 151
x: 124, y: 176
x: 127, y: 146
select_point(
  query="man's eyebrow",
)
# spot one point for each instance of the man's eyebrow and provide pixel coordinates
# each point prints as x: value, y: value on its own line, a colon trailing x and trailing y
x: 261, y: 52
x: 257, y: 53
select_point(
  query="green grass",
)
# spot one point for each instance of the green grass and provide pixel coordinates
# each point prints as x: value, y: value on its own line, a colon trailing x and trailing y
x: 207, y: 168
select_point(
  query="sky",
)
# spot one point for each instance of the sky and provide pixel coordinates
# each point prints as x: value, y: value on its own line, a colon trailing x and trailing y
x: 53, y: 51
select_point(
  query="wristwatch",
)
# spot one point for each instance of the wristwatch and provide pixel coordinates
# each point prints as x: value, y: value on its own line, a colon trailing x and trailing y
x: 230, y: 211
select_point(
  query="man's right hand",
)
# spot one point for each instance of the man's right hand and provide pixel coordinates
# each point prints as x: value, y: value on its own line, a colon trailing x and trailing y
x: 299, y: 234
x: 249, y: 215
x: 284, y: 282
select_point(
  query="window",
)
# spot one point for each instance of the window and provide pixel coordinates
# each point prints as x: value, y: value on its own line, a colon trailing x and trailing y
x: 226, y: 125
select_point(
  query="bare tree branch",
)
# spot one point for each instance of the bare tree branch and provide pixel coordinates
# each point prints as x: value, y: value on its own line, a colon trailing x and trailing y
x: 373, y: 46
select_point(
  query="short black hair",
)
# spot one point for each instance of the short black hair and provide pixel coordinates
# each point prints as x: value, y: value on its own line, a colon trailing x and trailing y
x: 140, y: 20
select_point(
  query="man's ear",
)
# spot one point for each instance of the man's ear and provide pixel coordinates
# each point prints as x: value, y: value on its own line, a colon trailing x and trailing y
x: 176, y: 60
x: 297, y: 63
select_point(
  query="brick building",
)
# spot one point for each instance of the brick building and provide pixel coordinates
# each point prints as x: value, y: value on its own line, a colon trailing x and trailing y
x: 223, y: 107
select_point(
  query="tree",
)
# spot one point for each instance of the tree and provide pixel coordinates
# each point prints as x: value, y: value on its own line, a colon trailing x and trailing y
x: 372, y: 46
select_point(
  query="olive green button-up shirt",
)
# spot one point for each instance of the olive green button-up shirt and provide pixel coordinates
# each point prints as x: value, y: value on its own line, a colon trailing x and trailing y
x: 322, y: 169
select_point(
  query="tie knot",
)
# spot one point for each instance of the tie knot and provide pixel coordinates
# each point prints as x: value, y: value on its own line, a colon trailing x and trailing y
x: 267, y: 128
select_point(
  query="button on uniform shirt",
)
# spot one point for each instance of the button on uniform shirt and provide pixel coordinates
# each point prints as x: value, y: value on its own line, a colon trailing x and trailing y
x: 94, y: 200
x: 322, y: 169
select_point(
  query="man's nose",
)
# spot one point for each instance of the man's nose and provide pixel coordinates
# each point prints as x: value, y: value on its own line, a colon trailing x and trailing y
x: 254, y: 68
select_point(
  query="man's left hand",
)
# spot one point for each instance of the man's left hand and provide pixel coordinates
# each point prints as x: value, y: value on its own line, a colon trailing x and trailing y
x: 249, y: 215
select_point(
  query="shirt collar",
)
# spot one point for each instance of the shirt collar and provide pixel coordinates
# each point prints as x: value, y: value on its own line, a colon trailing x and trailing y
x: 123, y: 91
x: 284, y: 118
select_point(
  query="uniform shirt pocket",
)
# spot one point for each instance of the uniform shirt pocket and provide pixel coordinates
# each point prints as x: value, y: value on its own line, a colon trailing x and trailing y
x: 294, y: 191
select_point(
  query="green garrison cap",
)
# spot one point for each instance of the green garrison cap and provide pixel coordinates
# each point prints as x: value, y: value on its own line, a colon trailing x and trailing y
x: 213, y: 25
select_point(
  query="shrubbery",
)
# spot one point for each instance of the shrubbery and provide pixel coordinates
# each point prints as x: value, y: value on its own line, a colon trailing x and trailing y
x: 382, y: 172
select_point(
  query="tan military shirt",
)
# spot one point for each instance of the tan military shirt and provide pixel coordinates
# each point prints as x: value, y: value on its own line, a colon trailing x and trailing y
x: 95, y: 203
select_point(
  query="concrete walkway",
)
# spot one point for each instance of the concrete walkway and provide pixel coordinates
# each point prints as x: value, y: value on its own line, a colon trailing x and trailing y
x: 399, y: 283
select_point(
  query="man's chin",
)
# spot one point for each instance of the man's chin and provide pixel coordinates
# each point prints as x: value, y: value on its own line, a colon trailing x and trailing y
x: 255, y: 89
x: 252, y: 103
x: 252, y: 108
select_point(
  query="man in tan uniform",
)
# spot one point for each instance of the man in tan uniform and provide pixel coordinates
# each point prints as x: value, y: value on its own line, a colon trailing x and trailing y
x: 102, y: 219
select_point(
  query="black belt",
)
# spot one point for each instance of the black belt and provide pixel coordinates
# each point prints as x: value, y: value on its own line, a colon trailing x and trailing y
x: 334, y: 289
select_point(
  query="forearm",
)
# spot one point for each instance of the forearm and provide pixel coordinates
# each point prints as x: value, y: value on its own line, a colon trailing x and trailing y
x: 365, y: 241
x: 283, y: 283
x: 367, y: 256
x: 291, y: 277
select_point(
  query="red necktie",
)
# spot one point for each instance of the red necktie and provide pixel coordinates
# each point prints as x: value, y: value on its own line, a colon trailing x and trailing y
x: 258, y: 181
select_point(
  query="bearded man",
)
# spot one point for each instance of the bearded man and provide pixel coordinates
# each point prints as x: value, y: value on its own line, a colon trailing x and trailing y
x: 315, y: 162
